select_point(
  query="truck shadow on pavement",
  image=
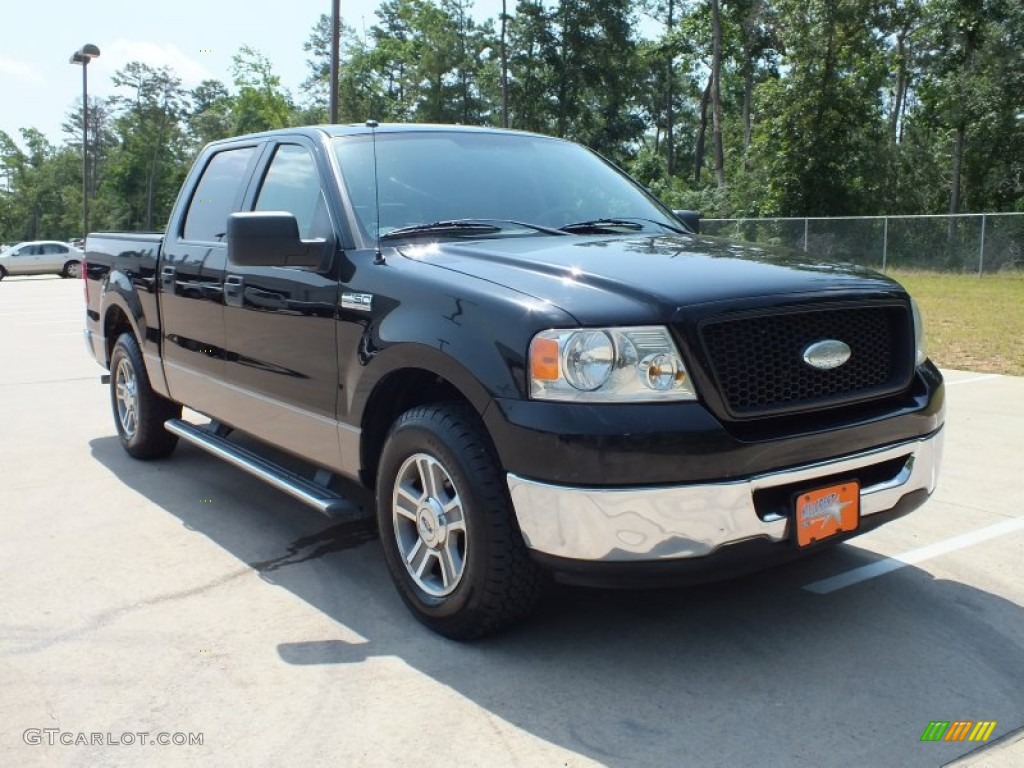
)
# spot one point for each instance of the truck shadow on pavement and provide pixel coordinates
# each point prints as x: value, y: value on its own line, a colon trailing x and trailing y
x: 755, y: 671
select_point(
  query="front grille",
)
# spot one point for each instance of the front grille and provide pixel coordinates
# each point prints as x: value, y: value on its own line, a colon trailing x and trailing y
x: 757, y: 361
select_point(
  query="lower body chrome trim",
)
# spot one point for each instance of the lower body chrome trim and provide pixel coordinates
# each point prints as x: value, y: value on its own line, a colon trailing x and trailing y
x: 312, y: 436
x: 97, y: 346
x: 303, y: 489
x: 662, y: 523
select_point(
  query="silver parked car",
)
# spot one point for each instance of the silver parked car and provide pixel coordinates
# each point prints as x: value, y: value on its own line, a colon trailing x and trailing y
x: 41, y: 257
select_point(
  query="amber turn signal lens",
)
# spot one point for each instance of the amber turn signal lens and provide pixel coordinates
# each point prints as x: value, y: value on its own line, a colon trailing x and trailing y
x: 544, y: 359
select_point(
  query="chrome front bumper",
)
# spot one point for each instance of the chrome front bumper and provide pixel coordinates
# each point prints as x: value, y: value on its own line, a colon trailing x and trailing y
x: 665, y: 523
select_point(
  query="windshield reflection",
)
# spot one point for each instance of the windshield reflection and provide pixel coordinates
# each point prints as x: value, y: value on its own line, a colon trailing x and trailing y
x: 438, y: 176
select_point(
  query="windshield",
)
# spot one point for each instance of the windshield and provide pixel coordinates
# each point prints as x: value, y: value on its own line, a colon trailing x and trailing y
x: 428, y: 177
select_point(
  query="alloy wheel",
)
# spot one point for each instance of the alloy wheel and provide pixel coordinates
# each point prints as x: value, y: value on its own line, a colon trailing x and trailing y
x: 429, y: 525
x: 127, y: 398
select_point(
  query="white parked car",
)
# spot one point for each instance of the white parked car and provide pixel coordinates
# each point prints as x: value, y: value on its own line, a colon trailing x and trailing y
x: 41, y: 257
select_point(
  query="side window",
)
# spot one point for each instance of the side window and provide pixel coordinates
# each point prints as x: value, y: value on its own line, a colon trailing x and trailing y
x: 215, y: 195
x: 292, y: 184
x: 51, y: 248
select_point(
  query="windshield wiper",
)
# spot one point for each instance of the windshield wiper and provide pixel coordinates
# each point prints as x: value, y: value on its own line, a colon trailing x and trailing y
x: 466, y: 227
x: 453, y: 227
x: 669, y: 227
x: 600, y: 226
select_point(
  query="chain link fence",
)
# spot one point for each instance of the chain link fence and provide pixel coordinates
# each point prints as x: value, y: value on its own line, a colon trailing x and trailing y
x: 979, y: 243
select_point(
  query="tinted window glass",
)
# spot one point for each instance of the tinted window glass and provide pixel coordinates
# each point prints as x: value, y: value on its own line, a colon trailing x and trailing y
x: 292, y: 184
x: 434, y: 176
x: 51, y: 248
x: 215, y: 196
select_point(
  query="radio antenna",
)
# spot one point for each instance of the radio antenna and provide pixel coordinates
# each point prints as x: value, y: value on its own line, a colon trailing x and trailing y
x: 378, y: 256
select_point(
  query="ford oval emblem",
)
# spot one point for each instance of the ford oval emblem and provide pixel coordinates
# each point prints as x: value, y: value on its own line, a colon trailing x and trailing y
x: 826, y: 355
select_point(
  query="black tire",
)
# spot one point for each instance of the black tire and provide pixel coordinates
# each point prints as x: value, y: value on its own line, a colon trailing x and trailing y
x: 3, y: 273
x: 71, y: 269
x: 499, y: 584
x: 143, y: 436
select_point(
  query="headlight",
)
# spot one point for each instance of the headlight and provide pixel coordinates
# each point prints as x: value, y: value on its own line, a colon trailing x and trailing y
x: 598, y: 365
x: 588, y: 359
x: 921, y: 351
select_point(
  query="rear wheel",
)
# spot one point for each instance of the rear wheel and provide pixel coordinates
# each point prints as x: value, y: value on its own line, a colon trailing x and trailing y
x: 72, y: 269
x: 446, y: 525
x: 139, y: 412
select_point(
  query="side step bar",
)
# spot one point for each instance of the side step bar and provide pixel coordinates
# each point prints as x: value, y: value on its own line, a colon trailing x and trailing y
x: 314, y: 494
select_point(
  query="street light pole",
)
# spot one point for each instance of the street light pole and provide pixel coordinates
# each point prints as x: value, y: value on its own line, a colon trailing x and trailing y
x: 335, y: 35
x: 83, y: 56
x: 504, y: 65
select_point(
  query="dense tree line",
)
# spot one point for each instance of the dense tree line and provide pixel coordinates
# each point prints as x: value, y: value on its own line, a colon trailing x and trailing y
x: 735, y: 107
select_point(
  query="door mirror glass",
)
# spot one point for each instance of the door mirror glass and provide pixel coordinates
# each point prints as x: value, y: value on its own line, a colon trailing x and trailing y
x: 270, y: 239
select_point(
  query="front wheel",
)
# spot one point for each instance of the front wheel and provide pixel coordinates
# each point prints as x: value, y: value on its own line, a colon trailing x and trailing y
x: 139, y: 412
x: 3, y: 273
x: 447, y: 528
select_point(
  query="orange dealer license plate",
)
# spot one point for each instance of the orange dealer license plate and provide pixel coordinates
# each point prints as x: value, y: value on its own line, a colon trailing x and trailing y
x: 824, y: 513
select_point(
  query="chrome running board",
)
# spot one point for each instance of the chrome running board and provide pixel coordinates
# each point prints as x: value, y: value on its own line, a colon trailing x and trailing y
x: 315, y: 494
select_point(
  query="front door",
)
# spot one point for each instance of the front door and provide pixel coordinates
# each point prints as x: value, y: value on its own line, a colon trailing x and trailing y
x: 279, y: 322
x: 25, y: 260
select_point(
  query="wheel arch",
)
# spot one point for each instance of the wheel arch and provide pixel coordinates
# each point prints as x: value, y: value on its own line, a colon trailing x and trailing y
x: 122, y: 312
x: 395, y: 393
x: 115, y: 322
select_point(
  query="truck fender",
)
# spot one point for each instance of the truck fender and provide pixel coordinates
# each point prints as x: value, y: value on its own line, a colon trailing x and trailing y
x: 119, y: 292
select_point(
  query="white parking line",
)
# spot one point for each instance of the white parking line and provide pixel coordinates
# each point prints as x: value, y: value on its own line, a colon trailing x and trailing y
x: 50, y: 322
x: 973, y: 379
x: 45, y: 381
x: 39, y: 312
x: 890, y: 564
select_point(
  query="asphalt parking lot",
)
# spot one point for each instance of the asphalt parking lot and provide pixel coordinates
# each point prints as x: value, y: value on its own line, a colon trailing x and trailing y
x: 185, y: 597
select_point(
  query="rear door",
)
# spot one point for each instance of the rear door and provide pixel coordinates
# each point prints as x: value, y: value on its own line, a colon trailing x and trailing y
x: 191, y: 278
x: 279, y: 322
x: 53, y: 257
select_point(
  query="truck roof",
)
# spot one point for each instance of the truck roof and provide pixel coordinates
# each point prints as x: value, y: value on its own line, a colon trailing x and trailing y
x: 354, y: 129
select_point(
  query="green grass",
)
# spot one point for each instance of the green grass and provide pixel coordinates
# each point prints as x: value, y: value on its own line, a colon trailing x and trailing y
x: 971, y: 323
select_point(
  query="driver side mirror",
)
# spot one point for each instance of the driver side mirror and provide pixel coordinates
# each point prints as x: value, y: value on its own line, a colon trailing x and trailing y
x: 689, y: 219
x: 270, y: 239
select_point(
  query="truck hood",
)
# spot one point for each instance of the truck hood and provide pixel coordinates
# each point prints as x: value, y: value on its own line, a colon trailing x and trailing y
x: 642, y: 278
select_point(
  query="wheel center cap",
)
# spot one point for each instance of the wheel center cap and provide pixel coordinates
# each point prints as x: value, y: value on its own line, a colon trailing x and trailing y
x: 430, y: 523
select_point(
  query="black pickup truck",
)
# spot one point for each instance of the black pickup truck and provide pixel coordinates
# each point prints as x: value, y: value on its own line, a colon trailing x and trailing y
x: 533, y: 363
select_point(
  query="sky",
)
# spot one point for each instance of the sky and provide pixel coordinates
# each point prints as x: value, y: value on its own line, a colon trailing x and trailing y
x: 196, y: 38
